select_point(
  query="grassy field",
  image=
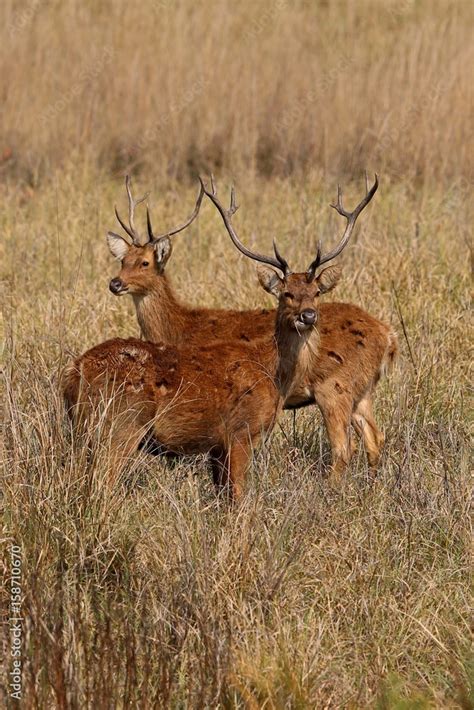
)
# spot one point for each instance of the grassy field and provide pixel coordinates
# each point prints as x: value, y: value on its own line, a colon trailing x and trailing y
x: 154, y: 593
x: 301, y: 597
x: 274, y: 87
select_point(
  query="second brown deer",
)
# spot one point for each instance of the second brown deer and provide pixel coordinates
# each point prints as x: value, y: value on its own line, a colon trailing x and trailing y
x: 161, y: 315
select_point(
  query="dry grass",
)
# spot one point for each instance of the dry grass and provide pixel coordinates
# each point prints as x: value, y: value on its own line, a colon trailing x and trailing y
x: 155, y: 593
x: 274, y: 88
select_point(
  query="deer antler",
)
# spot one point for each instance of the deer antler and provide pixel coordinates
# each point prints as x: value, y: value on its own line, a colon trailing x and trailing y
x: 153, y: 239
x: 131, y: 230
x: 351, y: 220
x: 279, y: 262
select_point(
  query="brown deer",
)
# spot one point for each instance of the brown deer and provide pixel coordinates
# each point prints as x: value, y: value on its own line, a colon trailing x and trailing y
x: 161, y: 316
x: 223, y: 397
x: 351, y: 342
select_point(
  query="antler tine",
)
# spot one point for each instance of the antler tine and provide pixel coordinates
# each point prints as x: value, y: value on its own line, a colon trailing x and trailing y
x: 284, y: 264
x: 123, y: 225
x: 148, y: 225
x: 133, y: 203
x: 311, y: 273
x: 350, y: 216
x: 131, y: 231
x: 233, y: 205
x: 179, y: 228
x: 338, y: 206
x: 278, y: 263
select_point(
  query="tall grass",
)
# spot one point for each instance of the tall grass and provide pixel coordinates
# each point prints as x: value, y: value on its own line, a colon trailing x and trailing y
x: 153, y: 592
x: 273, y: 88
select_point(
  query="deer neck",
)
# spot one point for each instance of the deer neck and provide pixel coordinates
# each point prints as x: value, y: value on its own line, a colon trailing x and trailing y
x: 160, y: 315
x: 296, y: 353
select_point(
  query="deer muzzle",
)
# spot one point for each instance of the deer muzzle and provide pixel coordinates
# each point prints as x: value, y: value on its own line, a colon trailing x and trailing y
x: 118, y: 287
x: 308, y: 317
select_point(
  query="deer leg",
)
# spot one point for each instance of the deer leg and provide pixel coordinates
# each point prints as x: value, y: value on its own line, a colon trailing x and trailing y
x: 337, y: 417
x: 238, y: 462
x: 122, y: 445
x: 121, y: 453
x: 364, y: 423
x: 127, y: 431
x: 218, y: 459
x: 230, y: 467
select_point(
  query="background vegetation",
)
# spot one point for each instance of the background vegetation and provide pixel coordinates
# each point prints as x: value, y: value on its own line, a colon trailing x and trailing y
x: 275, y: 87
x: 153, y: 592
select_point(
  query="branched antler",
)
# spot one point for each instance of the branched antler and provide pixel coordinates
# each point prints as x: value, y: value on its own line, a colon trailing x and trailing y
x: 351, y: 220
x: 131, y: 230
x: 278, y: 262
x: 153, y: 239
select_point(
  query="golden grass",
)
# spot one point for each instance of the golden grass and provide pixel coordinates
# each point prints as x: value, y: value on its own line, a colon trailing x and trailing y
x: 157, y: 593
x: 274, y: 88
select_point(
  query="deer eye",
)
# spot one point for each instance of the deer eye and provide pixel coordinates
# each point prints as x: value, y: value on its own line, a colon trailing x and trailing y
x: 145, y: 263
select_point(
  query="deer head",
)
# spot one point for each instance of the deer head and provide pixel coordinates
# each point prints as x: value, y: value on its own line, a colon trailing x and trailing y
x: 142, y: 261
x: 297, y: 293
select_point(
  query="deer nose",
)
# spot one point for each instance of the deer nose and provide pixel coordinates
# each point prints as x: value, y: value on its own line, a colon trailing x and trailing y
x: 308, y: 316
x: 116, y: 285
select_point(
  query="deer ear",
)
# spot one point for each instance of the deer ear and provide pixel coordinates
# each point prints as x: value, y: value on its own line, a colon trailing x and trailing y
x: 328, y: 278
x: 270, y: 280
x: 163, y: 249
x: 118, y: 245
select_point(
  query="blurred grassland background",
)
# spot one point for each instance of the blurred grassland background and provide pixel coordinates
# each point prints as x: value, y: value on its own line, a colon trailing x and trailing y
x: 154, y: 593
x: 273, y: 87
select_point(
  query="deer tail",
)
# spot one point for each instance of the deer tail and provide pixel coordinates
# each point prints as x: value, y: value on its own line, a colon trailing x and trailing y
x: 390, y: 354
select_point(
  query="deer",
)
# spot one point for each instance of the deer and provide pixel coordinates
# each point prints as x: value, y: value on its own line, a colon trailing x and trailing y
x: 222, y: 398
x: 351, y: 343
x: 160, y: 314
